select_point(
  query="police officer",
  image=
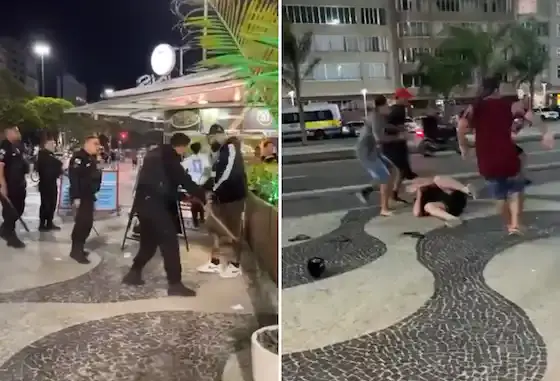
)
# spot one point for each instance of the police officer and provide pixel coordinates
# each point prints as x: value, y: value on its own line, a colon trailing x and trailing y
x: 158, y: 181
x: 49, y: 169
x: 85, y: 181
x: 13, y: 184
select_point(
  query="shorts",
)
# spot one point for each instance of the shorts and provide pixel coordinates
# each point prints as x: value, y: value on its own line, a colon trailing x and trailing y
x: 379, y: 168
x: 502, y: 188
x: 455, y: 202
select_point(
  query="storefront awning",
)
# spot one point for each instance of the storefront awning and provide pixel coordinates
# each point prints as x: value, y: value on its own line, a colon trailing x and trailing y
x: 205, y: 89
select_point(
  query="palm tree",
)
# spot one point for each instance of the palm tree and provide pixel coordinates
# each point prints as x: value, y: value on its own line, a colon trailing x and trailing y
x: 242, y: 36
x: 296, y: 65
x: 528, y: 57
x: 484, y: 51
x: 443, y: 73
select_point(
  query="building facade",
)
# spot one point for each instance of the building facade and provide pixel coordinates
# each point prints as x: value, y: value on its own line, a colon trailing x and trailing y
x: 69, y: 88
x: 16, y: 57
x: 371, y: 46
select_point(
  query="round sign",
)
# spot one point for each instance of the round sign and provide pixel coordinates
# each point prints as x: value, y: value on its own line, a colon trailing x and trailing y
x: 163, y: 59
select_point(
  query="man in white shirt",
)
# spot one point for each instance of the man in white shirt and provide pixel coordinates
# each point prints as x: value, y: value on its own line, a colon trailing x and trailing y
x: 199, y: 167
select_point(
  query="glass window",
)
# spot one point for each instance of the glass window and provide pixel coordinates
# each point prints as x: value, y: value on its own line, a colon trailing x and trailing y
x: 351, y: 44
x: 377, y: 70
x: 558, y: 71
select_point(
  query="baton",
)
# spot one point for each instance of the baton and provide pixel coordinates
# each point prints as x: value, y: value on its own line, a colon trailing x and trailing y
x: 14, y: 210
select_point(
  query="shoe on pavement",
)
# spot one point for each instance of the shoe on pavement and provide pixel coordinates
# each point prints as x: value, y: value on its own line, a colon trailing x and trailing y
x: 15, y: 242
x: 79, y: 256
x: 133, y: 278
x: 230, y: 271
x: 208, y: 268
x: 179, y: 289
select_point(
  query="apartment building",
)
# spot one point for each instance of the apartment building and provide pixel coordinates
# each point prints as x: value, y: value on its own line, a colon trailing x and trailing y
x: 17, y: 58
x: 69, y: 88
x: 370, y: 46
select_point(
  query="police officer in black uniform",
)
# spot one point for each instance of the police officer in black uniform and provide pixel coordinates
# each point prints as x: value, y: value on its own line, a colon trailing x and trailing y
x: 85, y: 181
x: 49, y: 168
x: 157, y: 184
x: 13, y: 184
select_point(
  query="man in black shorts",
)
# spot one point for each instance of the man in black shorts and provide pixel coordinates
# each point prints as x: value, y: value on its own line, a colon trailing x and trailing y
x: 441, y: 197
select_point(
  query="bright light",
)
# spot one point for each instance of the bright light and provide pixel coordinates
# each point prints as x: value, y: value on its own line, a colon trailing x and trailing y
x: 42, y: 49
x: 124, y: 135
x: 363, y: 91
x: 291, y: 93
x: 108, y: 92
x: 334, y: 22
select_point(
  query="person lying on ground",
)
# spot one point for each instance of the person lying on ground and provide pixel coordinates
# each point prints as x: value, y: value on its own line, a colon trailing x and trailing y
x: 441, y: 197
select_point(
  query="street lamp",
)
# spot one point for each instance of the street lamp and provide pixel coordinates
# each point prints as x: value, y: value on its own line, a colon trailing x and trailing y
x: 364, y: 95
x: 42, y: 50
x: 292, y: 95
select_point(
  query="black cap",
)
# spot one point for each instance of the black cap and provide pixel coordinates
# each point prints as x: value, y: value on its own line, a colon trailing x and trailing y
x: 216, y: 129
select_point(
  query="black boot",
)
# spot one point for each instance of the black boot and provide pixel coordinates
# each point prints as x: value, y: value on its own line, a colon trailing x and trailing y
x: 52, y: 227
x: 78, y: 255
x: 133, y: 278
x: 179, y: 289
x: 12, y: 240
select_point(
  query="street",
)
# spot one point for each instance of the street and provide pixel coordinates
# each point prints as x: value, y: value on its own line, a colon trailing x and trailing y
x: 322, y: 179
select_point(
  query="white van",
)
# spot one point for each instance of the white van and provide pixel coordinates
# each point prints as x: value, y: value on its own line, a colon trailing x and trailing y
x: 321, y: 120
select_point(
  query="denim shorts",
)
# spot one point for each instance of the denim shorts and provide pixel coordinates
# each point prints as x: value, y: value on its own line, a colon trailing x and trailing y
x: 502, y: 188
x: 379, y: 168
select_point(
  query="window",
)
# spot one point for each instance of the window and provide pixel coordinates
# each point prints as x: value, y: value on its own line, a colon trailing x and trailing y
x: 337, y: 71
x: 310, y: 116
x: 411, y: 54
x: 558, y: 8
x: 351, y: 44
x: 411, y: 80
x: 409, y: 5
x: 374, y: 16
x: 448, y: 5
x: 413, y: 29
x: 557, y: 52
x: 376, y: 44
x: 557, y: 30
x: 299, y: 14
x: 323, y: 43
x: 377, y: 70
x: 558, y: 71
x: 540, y: 27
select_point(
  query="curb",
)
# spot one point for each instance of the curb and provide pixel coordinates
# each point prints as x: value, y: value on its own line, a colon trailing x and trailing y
x: 350, y: 153
x: 299, y: 195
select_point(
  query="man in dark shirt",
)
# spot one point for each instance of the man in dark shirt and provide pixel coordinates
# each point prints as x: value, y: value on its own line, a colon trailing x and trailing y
x: 157, y: 187
x: 229, y: 194
x: 85, y: 182
x: 13, y: 185
x: 49, y: 169
x: 397, y: 150
x: 491, y: 118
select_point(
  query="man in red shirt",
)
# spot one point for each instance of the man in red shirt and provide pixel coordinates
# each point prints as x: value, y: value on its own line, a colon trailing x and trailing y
x: 491, y: 119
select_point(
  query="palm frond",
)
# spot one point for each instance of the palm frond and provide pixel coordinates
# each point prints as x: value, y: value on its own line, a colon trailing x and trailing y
x: 242, y: 36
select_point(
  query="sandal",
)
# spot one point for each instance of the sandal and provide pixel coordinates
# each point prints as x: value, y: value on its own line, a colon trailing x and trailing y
x: 515, y: 231
x: 387, y: 213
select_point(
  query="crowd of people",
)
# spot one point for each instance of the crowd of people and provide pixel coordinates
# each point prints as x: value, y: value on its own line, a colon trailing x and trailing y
x: 214, y: 181
x: 492, y: 118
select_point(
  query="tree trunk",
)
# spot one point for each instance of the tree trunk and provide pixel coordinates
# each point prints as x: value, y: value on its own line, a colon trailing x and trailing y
x: 301, y: 113
x: 531, y: 93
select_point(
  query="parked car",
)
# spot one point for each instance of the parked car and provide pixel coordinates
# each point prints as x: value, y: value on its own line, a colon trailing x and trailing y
x: 546, y: 113
x: 352, y: 128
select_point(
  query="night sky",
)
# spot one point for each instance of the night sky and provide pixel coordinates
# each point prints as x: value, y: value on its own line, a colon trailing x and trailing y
x: 104, y: 43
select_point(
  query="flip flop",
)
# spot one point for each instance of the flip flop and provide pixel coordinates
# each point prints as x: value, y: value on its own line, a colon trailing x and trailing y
x: 515, y: 231
x: 386, y: 214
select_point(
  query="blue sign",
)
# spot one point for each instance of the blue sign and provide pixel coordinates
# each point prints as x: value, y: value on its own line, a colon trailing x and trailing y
x: 107, y: 198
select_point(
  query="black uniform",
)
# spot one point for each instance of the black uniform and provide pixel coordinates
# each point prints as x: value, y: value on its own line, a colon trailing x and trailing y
x: 15, y: 169
x: 85, y: 181
x: 156, y: 188
x: 49, y: 169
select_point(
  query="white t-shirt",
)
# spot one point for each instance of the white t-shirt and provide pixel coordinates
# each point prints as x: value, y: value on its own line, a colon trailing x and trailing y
x: 199, y: 167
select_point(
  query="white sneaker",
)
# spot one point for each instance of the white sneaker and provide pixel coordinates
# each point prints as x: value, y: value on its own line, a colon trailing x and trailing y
x: 208, y: 268
x: 230, y: 271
